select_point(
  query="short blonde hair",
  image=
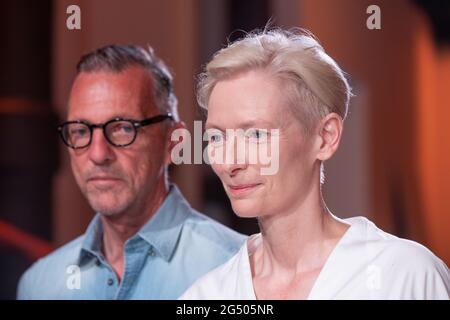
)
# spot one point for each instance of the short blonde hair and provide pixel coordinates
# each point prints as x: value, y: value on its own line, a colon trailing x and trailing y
x: 313, y: 78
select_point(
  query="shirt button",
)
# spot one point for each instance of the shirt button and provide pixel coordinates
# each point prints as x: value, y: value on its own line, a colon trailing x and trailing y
x: 151, y: 252
x: 110, y: 282
x: 97, y: 263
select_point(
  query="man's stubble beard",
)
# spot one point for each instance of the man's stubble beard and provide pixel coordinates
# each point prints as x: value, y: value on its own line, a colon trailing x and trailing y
x: 120, y: 200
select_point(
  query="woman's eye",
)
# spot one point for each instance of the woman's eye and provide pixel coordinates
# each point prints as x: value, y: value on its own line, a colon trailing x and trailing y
x: 216, y: 138
x: 257, y: 134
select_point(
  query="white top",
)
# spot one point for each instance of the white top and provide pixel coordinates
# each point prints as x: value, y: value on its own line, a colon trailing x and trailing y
x: 367, y: 263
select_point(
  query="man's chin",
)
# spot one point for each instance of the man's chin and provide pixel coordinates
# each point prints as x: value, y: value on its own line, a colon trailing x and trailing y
x: 107, y: 206
x: 106, y: 210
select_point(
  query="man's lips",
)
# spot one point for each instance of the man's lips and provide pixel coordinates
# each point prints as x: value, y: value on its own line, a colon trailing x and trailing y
x: 242, y: 189
x: 102, y: 180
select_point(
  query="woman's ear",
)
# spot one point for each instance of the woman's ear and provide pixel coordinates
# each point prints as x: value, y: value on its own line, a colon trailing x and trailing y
x: 179, y: 128
x: 330, y: 132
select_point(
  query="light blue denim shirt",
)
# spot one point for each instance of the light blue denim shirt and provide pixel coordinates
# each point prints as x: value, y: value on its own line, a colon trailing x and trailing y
x: 174, y: 248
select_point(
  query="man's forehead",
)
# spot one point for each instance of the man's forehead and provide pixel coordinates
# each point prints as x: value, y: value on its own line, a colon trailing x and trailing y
x: 103, y: 91
x: 132, y: 79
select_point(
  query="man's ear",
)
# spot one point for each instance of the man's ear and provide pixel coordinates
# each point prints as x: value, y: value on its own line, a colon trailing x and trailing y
x: 330, y: 131
x: 179, y: 125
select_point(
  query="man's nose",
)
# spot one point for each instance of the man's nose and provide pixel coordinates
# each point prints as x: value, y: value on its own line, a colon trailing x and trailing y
x: 100, y: 151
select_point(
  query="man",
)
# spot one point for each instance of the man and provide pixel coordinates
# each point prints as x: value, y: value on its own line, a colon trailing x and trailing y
x: 145, y: 241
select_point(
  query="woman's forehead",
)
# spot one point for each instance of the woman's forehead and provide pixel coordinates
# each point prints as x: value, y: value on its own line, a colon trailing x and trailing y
x: 249, y: 100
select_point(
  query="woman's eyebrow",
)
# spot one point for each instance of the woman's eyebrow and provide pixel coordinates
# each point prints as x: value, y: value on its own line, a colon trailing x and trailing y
x: 263, y: 124
x: 209, y: 125
x: 258, y: 123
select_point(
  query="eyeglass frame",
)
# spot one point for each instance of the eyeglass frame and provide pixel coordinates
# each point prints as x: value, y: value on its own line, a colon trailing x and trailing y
x: 136, y: 124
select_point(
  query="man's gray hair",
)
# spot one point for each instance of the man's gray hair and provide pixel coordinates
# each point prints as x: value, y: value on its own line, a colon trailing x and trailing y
x: 116, y: 58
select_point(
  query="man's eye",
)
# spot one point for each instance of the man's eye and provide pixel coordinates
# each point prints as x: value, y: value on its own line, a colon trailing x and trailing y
x: 123, y: 128
x: 78, y: 132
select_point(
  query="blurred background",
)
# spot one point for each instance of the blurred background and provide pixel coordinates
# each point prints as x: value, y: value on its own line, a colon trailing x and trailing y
x: 393, y: 164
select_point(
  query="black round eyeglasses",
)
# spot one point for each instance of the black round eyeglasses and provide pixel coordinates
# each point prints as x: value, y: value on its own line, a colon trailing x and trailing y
x: 119, y: 132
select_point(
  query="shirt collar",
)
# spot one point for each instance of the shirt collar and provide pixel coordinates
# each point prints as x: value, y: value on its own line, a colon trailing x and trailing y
x: 164, y: 228
x: 162, y: 231
x: 91, y: 246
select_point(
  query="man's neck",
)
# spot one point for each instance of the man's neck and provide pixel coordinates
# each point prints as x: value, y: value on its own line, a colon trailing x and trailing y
x: 119, y: 228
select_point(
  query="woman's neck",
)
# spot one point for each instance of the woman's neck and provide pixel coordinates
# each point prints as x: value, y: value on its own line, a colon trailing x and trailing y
x: 297, y: 241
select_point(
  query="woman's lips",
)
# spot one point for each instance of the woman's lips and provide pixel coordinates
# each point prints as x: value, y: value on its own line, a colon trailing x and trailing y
x: 242, y: 189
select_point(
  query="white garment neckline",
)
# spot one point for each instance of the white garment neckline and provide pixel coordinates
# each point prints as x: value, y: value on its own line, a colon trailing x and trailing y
x: 252, y: 243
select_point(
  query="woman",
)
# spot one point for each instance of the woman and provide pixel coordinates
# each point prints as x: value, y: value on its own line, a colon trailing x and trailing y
x: 281, y: 88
